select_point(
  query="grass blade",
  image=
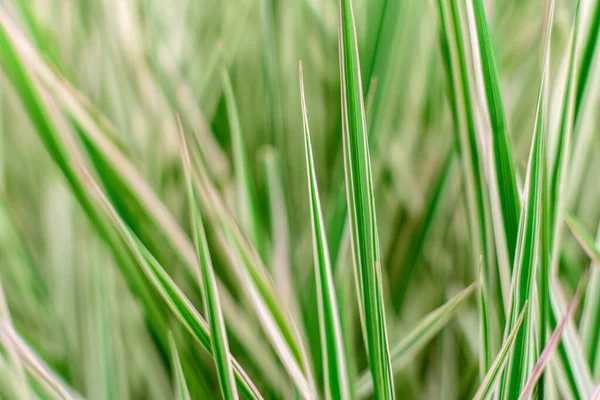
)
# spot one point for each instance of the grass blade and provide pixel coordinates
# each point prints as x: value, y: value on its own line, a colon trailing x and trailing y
x: 590, y: 318
x: 210, y: 292
x: 334, y: 360
x: 528, y: 244
x: 169, y: 291
x: 574, y: 378
x: 36, y: 366
x: 247, y: 207
x: 417, y: 338
x: 181, y: 389
x: 361, y: 207
x: 19, y: 383
x: 490, y: 379
x: 460, y: 89
x: 503, y: 188
x: 550, y: 347
x: 584, y: 238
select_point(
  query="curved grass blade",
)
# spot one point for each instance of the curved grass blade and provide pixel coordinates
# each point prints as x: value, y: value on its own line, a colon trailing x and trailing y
x: 181, y: 389
x: 54, y: 132
x: 118, y: 173
x: 417, y: 338
x: 550, y: 347
x: 335, y: 367
x: 361, y: 207
x: 490, y: 380
x: 179, y: 304
x: 210, y: 292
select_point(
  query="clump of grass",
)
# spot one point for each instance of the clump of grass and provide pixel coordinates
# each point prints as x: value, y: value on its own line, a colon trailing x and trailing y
x: 157, y: 240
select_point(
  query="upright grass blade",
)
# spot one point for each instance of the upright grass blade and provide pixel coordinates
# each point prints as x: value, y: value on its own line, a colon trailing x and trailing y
x: 210, y: 292
x: 259, y: 289
x: 361, y: 206
x: 179, y: 304
x: 484, y: 329
x: 503, y: 188
x: 460, y: 89
x: 417, y: 338
x: 335, y: 367
x: 128, y: 187
x: 560, y: 159
x: 490, y: 380
x: 247, y: 207
x: 528, y: 244
x: 181, y: 389
x: 550, y: 347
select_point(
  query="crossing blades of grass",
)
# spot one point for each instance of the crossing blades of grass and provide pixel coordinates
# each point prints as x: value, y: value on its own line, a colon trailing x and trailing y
x: 590, y: 317
x: 334, y: 360
x: 53, y: 131
x: 460, y: 88
x: 550, y: 346
x: 169, y: 291
x: 573, y: 376
x: 181, y: 389
x: 19, y: 379
x: 490, y: 380
x: 417, y: 338
x: 361, y: 206
x: 585, y: 240
x: 528, y: 244
x: 48, y: 379
x: 127, y: 187
x: 210, y: 292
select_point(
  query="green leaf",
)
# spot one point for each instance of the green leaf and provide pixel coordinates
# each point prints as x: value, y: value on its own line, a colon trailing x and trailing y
x: 590, y: 317
x: 361, y: 206
x: 34, y: 364
x: 490, y: 380
x: 417, y: 338
x: 172, y: 295
x: 181, y: 389
x: 247, y: 207
x: 210, y: 292
x: 463, y: 108
x: 573, y: 377
x: 335, y: 368
x: 503, y: 187
x: 585, y: 239
x: 550, y: 347
x: 528, y: 243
